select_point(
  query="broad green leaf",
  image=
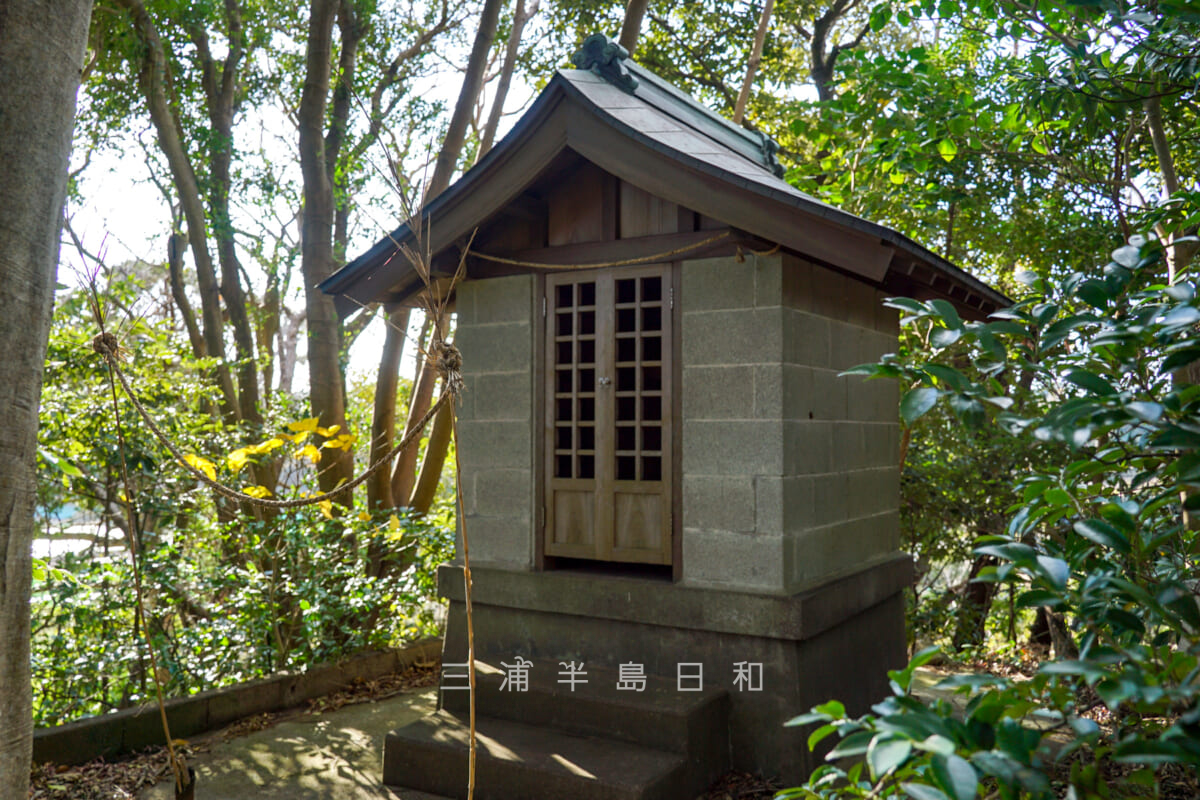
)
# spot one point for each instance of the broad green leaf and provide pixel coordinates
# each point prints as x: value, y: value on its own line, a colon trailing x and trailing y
x: 880, y: 15
x: 1102, y: 533
x: 885, y: 754
x: 967, y: 409
x: 1150, y: 751
x: 1127, y: 256
x: 833, y: 708
x: 855, y: 744
x: 1180, y: 359
x: 944, y: 337
x: 936, y: 744
x: 1149, y: 412
x: 1039, y: 597
x: 956, y: 776
x: 1181, y: 316
x: 806, y: 719
x: 870, y: 370
x: 916, y: 402
x: 1093, y: 293
x: 1055, y: 569
x: 924, y: 656
x: 1088, y: 671
x: 919, y: 791
x: 947, y: 149
x: 1175, y: 436
x: 947, y: 375
x: 906, y: 304
x: 817, y: 736
x: 948, y: 312
x: 1056, y: 496
x: 1090, y: 381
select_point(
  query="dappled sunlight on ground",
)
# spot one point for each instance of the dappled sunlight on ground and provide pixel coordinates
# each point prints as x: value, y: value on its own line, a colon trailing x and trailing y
x: 331, y: 754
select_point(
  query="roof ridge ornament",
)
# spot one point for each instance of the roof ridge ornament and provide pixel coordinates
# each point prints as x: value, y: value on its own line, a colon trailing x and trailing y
x: 769, y: 147
x: 605, y: 58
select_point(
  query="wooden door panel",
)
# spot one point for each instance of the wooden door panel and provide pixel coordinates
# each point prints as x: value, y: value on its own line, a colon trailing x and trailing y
x: 608, y: 426
x: 640, y: 531
x: 574, y: 523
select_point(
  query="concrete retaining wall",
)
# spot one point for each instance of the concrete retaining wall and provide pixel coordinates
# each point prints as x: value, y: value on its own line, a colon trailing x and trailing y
x: 133, y: 729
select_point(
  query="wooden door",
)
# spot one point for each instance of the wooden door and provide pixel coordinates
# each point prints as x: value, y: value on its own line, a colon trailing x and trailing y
x: 608, y: 422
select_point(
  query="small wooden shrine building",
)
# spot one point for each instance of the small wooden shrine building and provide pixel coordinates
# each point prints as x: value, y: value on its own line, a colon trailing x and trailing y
x: 660, y: 467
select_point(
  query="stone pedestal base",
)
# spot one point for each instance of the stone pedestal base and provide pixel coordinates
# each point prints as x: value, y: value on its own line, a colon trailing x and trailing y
x: 835, y: 641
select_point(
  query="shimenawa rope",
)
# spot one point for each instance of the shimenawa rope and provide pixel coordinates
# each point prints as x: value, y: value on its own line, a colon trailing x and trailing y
x: 448, y: 361
x: 663, y: 256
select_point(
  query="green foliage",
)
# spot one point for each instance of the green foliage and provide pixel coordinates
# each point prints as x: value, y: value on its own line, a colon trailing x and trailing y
x: 302, y: 598
x: 1104, y: 538
x: 231, y: 594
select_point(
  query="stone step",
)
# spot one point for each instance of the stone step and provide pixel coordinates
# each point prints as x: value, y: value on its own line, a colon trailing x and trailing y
x: 516, y: 761
x: 660, y: 717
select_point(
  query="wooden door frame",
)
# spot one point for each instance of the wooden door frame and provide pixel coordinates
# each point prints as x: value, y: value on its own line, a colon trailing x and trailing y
x: 544, y: 425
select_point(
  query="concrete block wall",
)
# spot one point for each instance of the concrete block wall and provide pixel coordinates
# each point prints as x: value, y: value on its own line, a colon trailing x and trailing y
x: 495, y: 419
x: 732, y: 427
x: 789, y: 471
x: 841, y: 484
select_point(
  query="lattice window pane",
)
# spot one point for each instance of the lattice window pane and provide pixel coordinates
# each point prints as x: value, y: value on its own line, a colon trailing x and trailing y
x: 638, y: 413
x: 651, y: 438
x: 652, y: 379
x: 574, y: 387
x: 565, y: 296
x: 627, y: 290
x: 587, y: 323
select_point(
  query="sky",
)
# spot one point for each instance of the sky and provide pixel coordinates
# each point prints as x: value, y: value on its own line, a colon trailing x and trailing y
x: 122, y: 214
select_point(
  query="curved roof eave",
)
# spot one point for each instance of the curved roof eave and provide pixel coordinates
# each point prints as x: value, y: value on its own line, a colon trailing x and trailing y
x: 355, y: 279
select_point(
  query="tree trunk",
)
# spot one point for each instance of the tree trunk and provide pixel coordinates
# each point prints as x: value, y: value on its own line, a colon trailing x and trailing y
x: 760, y: 37
x: 221, y: 87
x: 631, y: 28
x: 404, y: 475
x: 467, y: 96
x: 1179, y: 254
x: 327, y: 394
x: 511, y: 50
x: 175, y: 248
x: 435, y: 459
x: 404, y: 472
x: 383, y: 430
x: 152, y: 79
x: 973, y: 606
x: 41, y: 55
x: 1060, y: 634
x: 472, y: 85
x: 383, y: 423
